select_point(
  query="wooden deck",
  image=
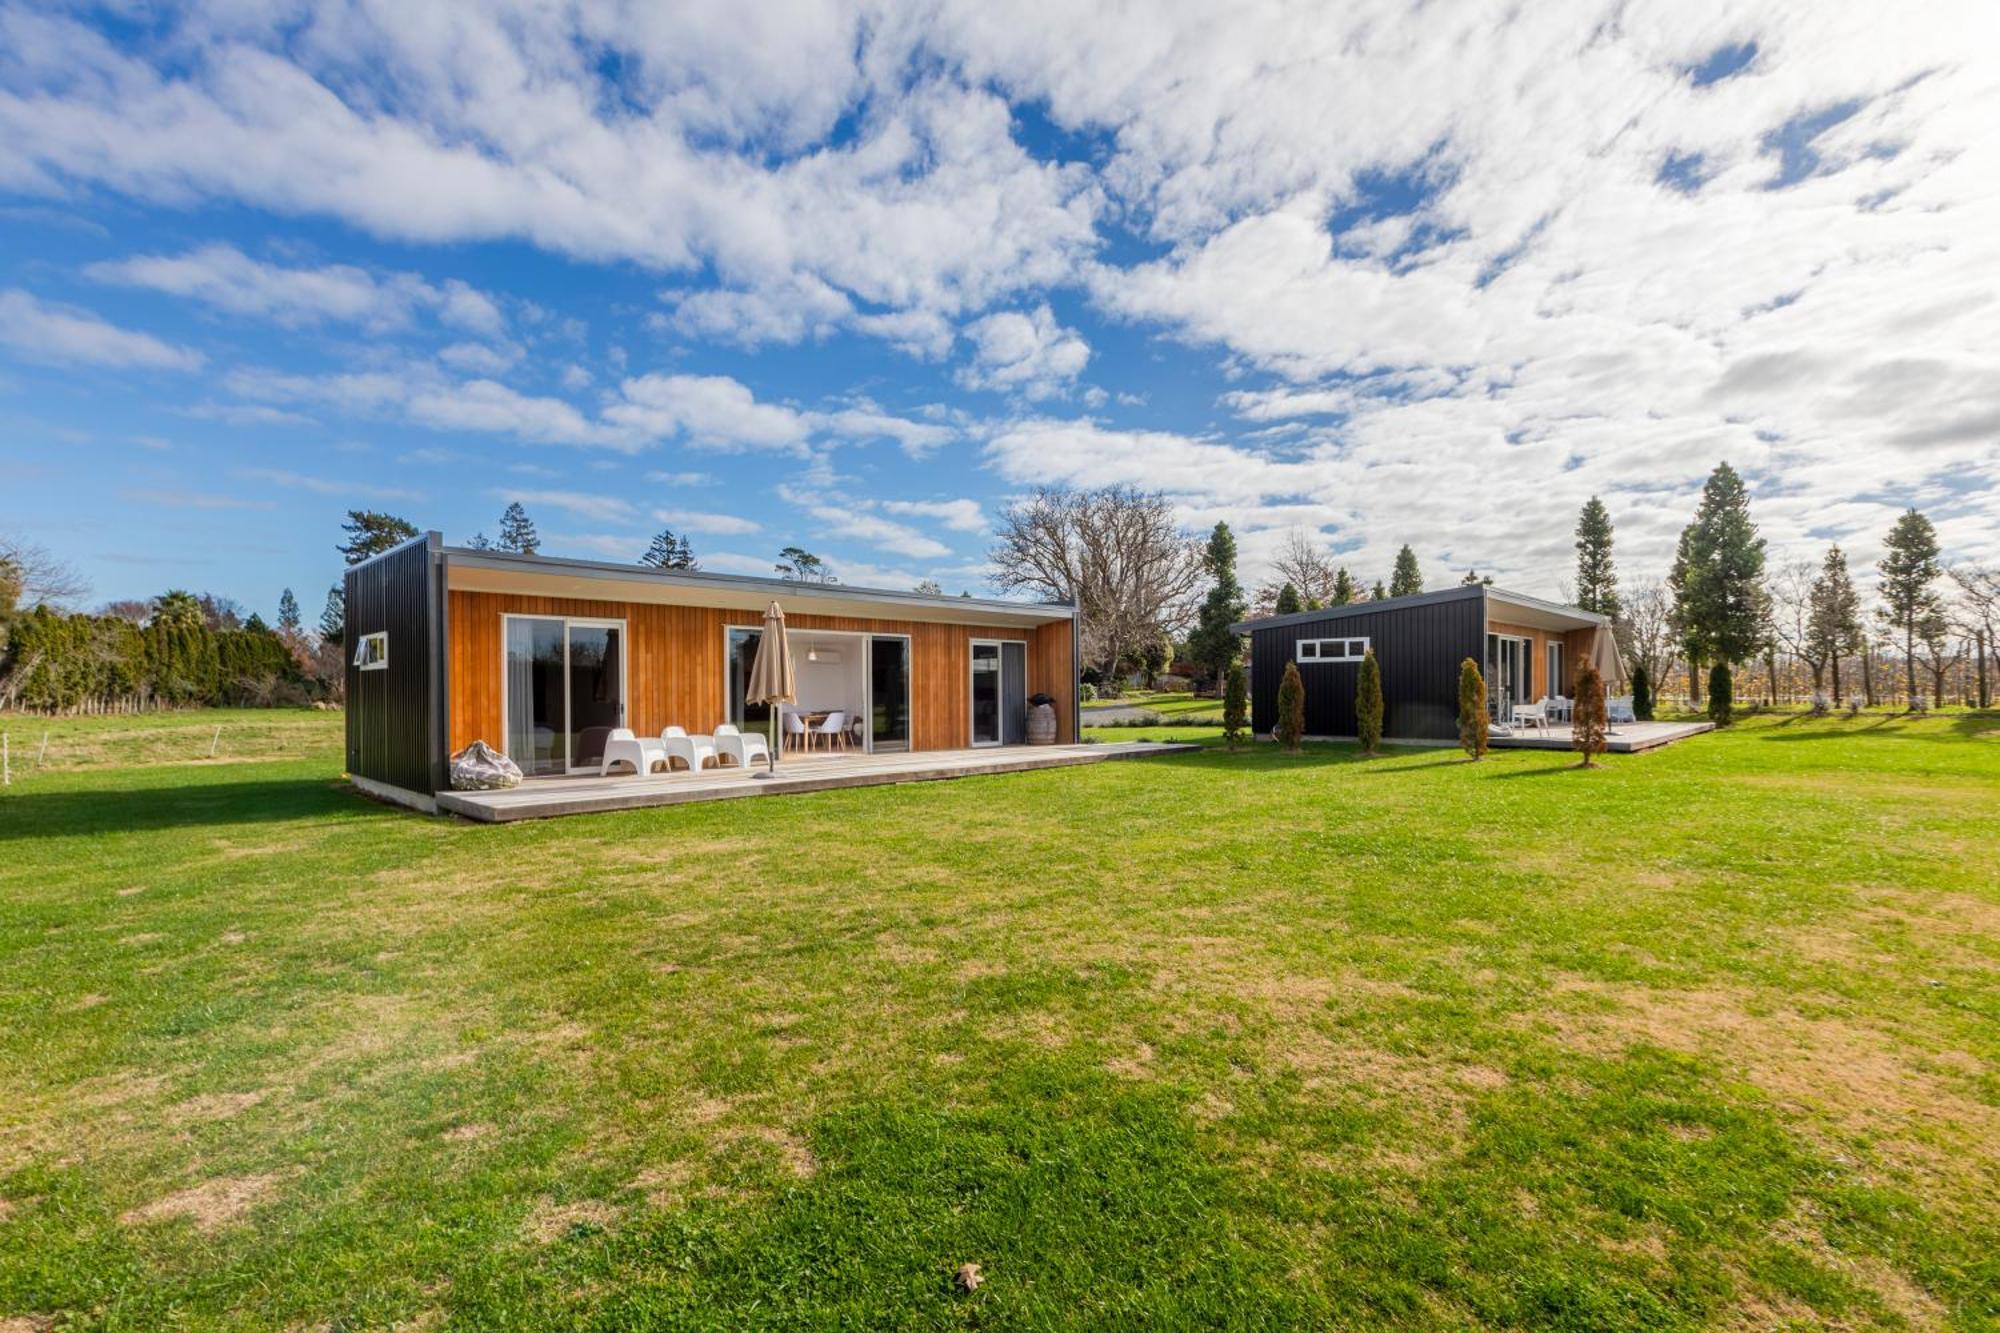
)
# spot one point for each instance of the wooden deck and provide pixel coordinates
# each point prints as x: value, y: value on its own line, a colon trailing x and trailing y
x: 1624, y: 738
x: 542, y: 798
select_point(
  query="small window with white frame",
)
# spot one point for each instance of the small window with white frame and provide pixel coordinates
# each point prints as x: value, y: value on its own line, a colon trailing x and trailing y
x: 1331, y: 650
x: 371, y: 652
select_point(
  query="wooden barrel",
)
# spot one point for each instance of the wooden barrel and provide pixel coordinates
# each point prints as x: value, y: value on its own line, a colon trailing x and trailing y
x: 1042, y: 724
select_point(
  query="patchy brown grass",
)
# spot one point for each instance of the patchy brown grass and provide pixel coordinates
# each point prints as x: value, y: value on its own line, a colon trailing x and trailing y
x: 549, y: 1221
x: 211, y: 1205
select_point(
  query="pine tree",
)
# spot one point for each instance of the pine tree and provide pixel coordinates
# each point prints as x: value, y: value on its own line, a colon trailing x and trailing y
x: 1642, y: 694
x: 1406, y: 580
x: 802, y: 566
x: 1379, y: 593
x: 1474, y: 579
x: 1291, y: 726
x: 1235, y: 706
x: 669, y: 552
x: 333, y: 620
x: 288, y: 612
x: 1368, y: 705
x: 1833, y: 617
x: 1909, y: 571
x: 1288, y: 603
x: 1596, y: 580
x: 371, y: 532
x: 1588, y: 726
x: 517, y: 530
x: 1721, y: 695
x: 1472, y: 719
x: 1213, y: 644
x: 1717, y: 576
x: 480, y: 542
x: 1344, y: 589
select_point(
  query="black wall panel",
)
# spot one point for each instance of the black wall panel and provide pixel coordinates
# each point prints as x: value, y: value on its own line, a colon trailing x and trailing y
x: 395, y: 716
x: 1418, y: 647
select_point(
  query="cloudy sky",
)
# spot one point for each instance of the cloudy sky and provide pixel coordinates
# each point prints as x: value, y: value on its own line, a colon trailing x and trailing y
x: 850, y: 277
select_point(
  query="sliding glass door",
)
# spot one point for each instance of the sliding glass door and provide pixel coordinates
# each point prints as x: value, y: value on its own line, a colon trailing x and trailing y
x: 999, y: 692
x: 888, y: 693
x: 1507, y: 681
x: 565, y: 691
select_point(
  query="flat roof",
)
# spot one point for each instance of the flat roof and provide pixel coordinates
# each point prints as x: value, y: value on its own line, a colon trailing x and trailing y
x: 508, y: 571
x: 1511, y: 601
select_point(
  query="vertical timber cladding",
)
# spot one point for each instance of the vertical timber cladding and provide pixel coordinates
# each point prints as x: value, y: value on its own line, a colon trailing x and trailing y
x: 674, y: 676
x: 1576, y: 646
x: 395, y: 714
x: 1418, y: 649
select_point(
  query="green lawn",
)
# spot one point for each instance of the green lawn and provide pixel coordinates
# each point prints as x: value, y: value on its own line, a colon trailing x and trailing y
x: 1709, y: 1036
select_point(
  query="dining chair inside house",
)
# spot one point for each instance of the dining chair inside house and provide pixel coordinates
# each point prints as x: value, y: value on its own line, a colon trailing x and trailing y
x: 794, y: 728
x: 834, y: 729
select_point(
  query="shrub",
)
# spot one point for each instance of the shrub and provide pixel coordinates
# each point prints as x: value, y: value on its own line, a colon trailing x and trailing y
x: 1089, y: 692
x: 1175, y: 685
x: 1368, y: 704
x: 1471, y: 709
x: 1291, y: 709
x: 1235, y: 705
x: 1721, y: 695
x: 1587, y: 732
x: 1642, y: 694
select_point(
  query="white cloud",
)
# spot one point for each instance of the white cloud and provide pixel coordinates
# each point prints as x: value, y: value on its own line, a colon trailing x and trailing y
x: 325, y: 485
x: 481, y: 358
x: 226, y: 278
x: 604, y: 508
x: 682, y: 478
x: 694, y: 520
x: 958, y: 515
x: 69, y: 335
x: 840, y: 521
x: 1030, y: 354
x: 709, y: 411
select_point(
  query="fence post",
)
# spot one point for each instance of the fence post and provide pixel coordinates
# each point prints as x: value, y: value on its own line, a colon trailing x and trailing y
x: 44, y: 750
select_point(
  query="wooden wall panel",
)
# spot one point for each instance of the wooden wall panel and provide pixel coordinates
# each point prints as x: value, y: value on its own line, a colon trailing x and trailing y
x: 1576, y: 643
x: 675, y: 672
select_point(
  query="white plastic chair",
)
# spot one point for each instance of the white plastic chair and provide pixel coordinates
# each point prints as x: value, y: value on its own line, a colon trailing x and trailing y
x: 694, y: 751
x: 834, y: 729
x: 1531, y: 715
x: 1618, y: 708
x: 794, y: 728
x: 623, y: 747
x: 1559, y: 707
x: 744, y: 747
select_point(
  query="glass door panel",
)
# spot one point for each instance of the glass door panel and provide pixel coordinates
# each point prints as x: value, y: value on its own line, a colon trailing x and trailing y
x: 1014, y: 693
x: 985, y: 694
x: 537, y: 732
x: 742, y: 656
x: 888, y: 694
x: 596, y: 691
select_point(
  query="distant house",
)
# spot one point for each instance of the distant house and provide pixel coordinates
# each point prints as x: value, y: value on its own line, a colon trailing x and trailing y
x: 1528, y: 648
x: 543, y: 658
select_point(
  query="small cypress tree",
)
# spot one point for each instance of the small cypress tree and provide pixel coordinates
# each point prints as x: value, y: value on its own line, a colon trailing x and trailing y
x: 288, y: 612
x: 1587, y: 731
x: 333, y: 620
x: 1345, y: 593
x: 1288, y: 603
x: 1721, y: 695
x: 1368, y: 705
x: 1642, y: 694
x: 1472, y: 720
x: 1291, y: 709
x: 1235, y: 705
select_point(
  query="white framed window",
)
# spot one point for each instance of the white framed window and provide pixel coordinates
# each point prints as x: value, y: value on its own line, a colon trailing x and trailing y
x: 371, y: 652
x: 1331, y: 650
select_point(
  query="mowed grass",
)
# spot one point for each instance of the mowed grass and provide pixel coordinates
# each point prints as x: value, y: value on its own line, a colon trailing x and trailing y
x: 1710, y: 1036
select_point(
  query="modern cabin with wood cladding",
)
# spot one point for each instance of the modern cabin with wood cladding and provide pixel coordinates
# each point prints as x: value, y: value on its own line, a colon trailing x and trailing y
x: 1529, y: 649
x: 543, y: 658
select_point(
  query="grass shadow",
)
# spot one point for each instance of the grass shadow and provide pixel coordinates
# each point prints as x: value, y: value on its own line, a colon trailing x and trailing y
x: 81, y: 813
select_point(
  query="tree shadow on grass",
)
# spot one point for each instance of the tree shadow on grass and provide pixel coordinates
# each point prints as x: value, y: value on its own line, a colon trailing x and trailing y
x: 73, y: 813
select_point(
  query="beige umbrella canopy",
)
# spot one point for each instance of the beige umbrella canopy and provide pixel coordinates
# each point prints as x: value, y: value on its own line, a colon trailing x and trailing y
x: 1604, y: 655
x: 771, y: 672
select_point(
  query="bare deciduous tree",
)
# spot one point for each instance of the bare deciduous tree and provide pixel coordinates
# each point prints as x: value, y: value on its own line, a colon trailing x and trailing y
x: 1793, y: 589
x: 1116, y: 553
x: 1307, y: 566
x: 34, y: 577
x: 1645, y: 629
x: 1979, y: 612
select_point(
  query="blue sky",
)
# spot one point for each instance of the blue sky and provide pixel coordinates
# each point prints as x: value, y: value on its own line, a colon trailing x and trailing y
x: 851, y: 278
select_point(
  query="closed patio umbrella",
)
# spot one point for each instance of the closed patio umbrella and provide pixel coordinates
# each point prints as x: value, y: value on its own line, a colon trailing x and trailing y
x: 1604, y: 655
x: 771, y: 675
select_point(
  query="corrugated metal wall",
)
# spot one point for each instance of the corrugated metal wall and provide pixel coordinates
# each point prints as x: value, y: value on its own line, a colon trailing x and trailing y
x: 1419, y: 649
x: 395, y: 717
